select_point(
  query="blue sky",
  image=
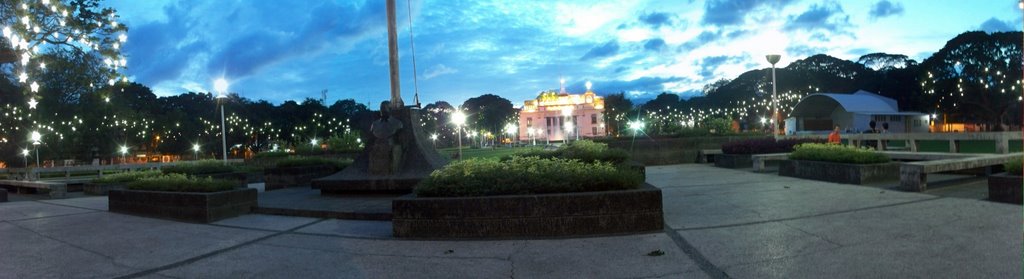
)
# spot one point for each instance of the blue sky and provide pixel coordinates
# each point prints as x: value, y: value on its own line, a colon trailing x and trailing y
x: 291, y: 50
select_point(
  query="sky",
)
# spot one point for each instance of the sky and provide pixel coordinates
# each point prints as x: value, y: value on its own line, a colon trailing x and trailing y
x: 292, y: 50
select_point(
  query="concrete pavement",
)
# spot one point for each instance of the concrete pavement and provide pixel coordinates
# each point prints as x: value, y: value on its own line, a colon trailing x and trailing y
x: 721, y: 223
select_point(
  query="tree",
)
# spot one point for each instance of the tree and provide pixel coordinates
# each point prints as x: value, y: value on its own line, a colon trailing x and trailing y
x: 489, y: 113
x: 616, y: 112
x: 976, y: 75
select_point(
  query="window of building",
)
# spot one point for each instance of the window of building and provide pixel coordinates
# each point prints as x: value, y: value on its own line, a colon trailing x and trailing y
x: 529, y: 122
x: 549, y: 120
x: 593, y: 119
x: 593, y: 131
x: 561, y: 122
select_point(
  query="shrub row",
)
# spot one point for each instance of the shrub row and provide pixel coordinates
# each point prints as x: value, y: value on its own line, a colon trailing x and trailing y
x: 125, y: 177
x: 836, y: 153
x: 176, y: 182
x: 583, y: 150
x: 313, y: 161
x: 271, y: 154
x: 526, y: 175
x: 764, y: 145
x: 1014, y: 166
x: 199, y: 167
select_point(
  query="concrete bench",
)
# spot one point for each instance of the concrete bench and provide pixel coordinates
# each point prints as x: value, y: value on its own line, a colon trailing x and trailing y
x: 760, y: 159
x: 926, y: 156
x: 914, y: 175
x: 56, y: 190
x: 707, y: 155
x: 3, y: 195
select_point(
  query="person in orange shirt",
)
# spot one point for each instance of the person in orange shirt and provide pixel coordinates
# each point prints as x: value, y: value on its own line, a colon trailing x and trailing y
x: 833, y: 138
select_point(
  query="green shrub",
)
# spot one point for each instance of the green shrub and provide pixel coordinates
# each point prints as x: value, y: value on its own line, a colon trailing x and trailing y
x: 583, y: 150
x: 125, y: 177
x: 1014, y: 166
x: 313, y: 161
x: 525, y: 175
x: 271, y: 154
x: 836, y: 153
x: 176, y: 182
x: 199, y: 167
x: 349, y: 142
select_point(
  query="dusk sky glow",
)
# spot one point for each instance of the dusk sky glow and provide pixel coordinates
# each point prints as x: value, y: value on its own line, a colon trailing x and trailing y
x: 291, y: 50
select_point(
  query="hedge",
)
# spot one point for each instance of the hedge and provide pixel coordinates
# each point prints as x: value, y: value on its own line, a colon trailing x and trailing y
x: 526, y: 175
x: 836, y: 153
x: 764, y: 145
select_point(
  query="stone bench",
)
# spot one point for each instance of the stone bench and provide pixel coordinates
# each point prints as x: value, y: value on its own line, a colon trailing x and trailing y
x: 914, y: 175
x: 3, y: 195
x: 759, y: 160
x: 55, y: 189
x: 926, y: 156
x: 707, y: 155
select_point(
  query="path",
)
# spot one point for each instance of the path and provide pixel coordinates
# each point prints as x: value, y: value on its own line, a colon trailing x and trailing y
x: 724, y: 223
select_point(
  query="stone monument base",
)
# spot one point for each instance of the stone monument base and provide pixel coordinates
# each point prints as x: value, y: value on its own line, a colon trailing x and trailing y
x: 418, y: 160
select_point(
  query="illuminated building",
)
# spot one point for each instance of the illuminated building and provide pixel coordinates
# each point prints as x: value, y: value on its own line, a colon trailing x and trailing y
x: 554, y: 116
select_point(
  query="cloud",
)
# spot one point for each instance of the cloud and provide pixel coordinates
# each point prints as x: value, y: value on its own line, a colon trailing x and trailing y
x: 805, y: 51
x: 438, y: 70
x: 656, y: 20
x: 635, y: 86
x: 885, y: 8
x: 827, y: 17
x: 993, y: 25
x: 655, y: 44
x: 330, y: 26
x: 160, y: 51
x: 608, y: 49
x: 708, y: 65
x: 731, y: 12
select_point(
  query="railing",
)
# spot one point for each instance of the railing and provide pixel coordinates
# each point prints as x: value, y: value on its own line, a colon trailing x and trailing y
x: 1001, y: 139
x: 33, y: 173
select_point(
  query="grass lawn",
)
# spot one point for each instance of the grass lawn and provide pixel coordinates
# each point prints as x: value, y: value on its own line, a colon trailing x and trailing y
x: 487, y: 152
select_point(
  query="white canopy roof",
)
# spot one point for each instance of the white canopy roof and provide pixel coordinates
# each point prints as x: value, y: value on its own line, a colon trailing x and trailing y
x: 862, y: 102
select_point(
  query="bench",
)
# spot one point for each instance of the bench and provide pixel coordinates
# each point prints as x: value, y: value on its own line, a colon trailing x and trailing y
x: 707, y: 155
x: 760, y: 159
x: 3, y: 195
x: 57, y: 190
x: 914, y: 175
x: 926, y: 156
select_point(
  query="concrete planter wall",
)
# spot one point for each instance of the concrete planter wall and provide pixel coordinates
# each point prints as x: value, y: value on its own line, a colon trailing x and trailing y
x: 1004, y: 187
x: 183, y: 206
x: 240, y: 178
x: 733, y: 161
x: 101, y: 189
x: 523, y: 216
x: 840, y: 173
x: 278, y: 178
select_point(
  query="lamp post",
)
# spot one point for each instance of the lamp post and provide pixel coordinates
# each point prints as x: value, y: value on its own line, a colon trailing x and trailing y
x: 195, y: 152
x: 459, y: 119
x: 312, y: 144
x: 124, y: 151
x: 567, y: 113
x: 35, y: 142
x: 774, y: 58
x: 221, y: 85
x: 433, y: 138
x: 510, y: 129
x: 24, y: 153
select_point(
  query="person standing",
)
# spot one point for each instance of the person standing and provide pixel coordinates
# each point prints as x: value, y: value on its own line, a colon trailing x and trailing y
x: 834, y: 138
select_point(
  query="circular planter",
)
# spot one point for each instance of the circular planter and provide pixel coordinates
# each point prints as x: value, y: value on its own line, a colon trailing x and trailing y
x: 183, y: 206
x: 839, y: 172
x: 1004, y: 187
x: 279, y: 178
x: 525, y: 216
x: 733, y: 161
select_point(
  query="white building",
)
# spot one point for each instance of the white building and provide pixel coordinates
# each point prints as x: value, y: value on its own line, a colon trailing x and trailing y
x: 819, y: 113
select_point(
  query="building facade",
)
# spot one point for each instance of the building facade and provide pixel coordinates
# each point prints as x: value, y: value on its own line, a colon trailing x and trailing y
x: 556, y: 116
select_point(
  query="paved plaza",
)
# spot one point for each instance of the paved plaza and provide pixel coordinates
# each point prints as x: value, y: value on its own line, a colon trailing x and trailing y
x: 721, y: 223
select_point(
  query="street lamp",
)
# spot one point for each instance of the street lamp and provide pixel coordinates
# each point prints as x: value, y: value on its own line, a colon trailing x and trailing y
x: 312, y: 144
x: 221, y: 85
x: 24, y: 153
x: 35, y: 142
x: 124, y: 151
x: 459, y: 119
x: 433, y: 138
x: 510, y: 129
x: 533, y: 135
x: 568, y: 131
x: 774, y: 58
x: 566, y: 113
x: 195, y: 152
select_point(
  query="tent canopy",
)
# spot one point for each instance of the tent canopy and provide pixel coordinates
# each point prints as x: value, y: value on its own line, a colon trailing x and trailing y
x: 862, y: 102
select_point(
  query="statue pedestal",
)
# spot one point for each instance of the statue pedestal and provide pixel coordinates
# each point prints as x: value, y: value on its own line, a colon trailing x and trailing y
x: 417, y: 160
